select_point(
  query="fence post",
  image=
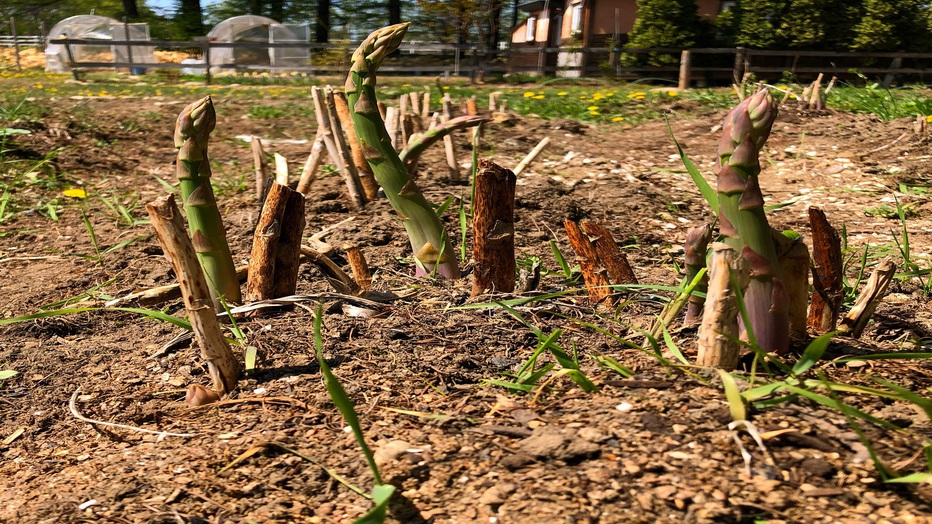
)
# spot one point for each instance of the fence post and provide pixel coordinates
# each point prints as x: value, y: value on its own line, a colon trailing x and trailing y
x: 205, y: 50
x: 207, y: 62
x: 896, y: 63
x: 74, y: 70
x: 684, y: 69
x: 15, y: 42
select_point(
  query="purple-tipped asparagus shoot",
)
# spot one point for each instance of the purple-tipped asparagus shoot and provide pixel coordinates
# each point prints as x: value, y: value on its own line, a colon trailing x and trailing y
x: 742, y: 219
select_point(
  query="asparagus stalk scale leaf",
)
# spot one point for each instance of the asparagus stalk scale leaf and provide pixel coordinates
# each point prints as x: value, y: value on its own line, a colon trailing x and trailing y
x: 192, y: 131
x: 742, y: 219
x: 432, y: 248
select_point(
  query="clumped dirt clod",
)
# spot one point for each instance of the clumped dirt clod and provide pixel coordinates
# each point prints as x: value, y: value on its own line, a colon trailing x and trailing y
x: 653, y: 447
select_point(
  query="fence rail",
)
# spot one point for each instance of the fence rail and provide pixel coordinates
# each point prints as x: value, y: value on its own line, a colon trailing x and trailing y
x: 698, y: 66
x: 24, y: 41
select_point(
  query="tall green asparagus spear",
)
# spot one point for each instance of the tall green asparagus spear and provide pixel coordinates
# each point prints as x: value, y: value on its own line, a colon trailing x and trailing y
x: 431, y: 244
x: 743, y: 223
x: 192, y: 130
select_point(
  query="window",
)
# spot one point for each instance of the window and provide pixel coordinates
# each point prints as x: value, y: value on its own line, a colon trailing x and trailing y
x: 531, y: 29
x: 576, y: 20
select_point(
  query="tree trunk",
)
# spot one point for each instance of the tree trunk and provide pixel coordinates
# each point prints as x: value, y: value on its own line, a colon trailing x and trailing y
x: 322, y: 25
x: 190, y: 17
x: 394, y: 12
x: 495, y: 28
x: 130, y: 9
x: 277, y: 10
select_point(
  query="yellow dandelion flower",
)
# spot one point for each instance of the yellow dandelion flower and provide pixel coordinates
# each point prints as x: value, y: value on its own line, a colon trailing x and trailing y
x: 637, y: 95
x: 593, y: 112
x: 528, y: 94
x: 782, y: 87
x: 618, y: 119
x: 445, y: 88
x: 929, y: 118
x: 561, y: 93
x: 75, y: 192
x: 538, y: 97
x: 641, y: 97
x: 672, y: 93
x: 598, y: 96
x: 592, y: 108
x: 583, y: 97
x: 38, y: 86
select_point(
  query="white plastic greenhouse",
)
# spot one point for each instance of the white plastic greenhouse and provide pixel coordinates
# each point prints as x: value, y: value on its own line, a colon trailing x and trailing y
x: 257, y: 29
x: 93, y: 27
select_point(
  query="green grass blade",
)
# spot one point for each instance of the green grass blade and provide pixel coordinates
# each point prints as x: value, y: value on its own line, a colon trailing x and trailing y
x: 736, y: 404
x: 707, y: 191
x: 121, y: 245
x: 155, y: 315
x: 812, y: 353
x: 614, y: 365
x: 561, y: 260
x: 340, y: 397
x: 914, y: 478
x: 381, y: 495
x: 671, y: 345
x: 510, y: 385
x: 464, y: 229
x: 884, y: 356
x: 923, y: 403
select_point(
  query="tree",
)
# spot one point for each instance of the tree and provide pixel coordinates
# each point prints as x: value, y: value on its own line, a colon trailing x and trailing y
x: 130, y: 9
x: 892, y: 25
x: 190, y: 18
x: 322, y: 23
x: 662, y: 23
x: 818, y: 24
x: 759, y: 21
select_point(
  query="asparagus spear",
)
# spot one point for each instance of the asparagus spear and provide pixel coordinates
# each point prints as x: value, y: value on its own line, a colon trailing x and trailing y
x: 192, y: 131
x: 432, y: 248
x: 697, y: 243
x: 742, y: 219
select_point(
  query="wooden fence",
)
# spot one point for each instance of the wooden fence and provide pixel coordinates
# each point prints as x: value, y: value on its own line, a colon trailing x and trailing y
x: 691, y: 67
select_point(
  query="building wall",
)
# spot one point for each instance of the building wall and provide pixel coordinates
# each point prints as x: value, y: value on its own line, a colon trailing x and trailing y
x: 604, y: 20
x: 708, y: 8
x: 519, y: 35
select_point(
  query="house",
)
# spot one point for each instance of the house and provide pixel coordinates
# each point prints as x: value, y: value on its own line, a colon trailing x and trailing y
x: 568, y: 24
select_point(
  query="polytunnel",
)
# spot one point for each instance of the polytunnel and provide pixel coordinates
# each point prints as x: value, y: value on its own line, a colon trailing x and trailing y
x: 260, y: 30
x: 94, y: 27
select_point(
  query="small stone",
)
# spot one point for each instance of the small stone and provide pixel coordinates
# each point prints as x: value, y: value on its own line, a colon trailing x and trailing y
x: 578, y: 450
x: 592, y: 435
x: 516, y: 461
x: 817, y: 467
x: 498, y: 494
x: 543, y: 443
x: 390, y: 451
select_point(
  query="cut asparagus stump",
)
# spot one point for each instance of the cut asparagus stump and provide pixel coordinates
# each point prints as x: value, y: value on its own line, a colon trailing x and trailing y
x: 222, y: 365
x: 494, y: 230
x: 433, y: 251
x: 742, y: 219
x: 192, y: 131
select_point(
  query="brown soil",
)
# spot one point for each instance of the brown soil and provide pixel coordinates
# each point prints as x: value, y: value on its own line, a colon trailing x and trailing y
x: 651, y: 448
